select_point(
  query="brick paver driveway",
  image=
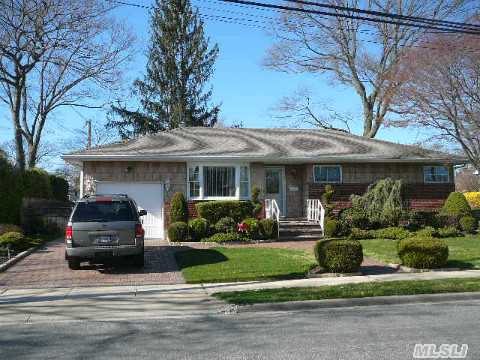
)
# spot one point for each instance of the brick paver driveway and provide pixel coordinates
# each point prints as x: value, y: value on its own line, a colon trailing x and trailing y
x: 47, y: 268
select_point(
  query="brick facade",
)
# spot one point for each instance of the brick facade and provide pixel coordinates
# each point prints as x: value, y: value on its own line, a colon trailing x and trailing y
x: 298, y: 178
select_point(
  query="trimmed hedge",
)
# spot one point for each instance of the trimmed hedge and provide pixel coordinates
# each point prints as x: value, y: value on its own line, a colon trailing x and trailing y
x: 446, y: 232
x: 198, y: 229
x: 268, y: 229
x: 178, y: 208
x: 59, y: 187
x: 36, y: 184
x: 354, y: 218
x: 468, y: 224
x: 222, y: 237
x: 393, y: 233
x: 226, y: 225
x: 339, y: 256
x: 423, y: 253
x: 331, y: 227
x: 213, y: 211
x: 10, y: 193
x: 178, y: 231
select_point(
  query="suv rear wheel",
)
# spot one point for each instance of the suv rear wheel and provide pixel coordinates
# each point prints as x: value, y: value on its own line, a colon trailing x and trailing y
x: 139, y: 260
x: 73, y: 264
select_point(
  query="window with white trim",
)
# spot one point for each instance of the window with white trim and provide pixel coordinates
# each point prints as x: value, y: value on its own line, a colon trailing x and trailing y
x: 218, y: 181
x: 327, y: 174
x: 436, y: 174
x: 194, y: 181
x: 244, y: 182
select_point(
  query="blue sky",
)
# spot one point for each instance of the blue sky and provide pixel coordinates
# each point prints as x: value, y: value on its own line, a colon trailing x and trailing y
x: 246, y: 90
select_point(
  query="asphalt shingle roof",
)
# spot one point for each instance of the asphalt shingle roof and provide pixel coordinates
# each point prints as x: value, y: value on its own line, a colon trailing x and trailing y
x: 277, y: 144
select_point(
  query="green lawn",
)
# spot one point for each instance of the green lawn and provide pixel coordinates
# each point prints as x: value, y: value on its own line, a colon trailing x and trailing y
x: 242, y: 264
x: 464, y: 252
x: 369, y: 289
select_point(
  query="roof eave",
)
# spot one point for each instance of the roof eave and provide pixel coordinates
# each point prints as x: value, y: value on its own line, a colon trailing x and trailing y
x: 73, y: 158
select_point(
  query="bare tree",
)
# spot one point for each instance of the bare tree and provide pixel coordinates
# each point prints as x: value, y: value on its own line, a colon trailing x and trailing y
x: 298, y: 109
x: 442, y: 91
x: 467, y: 180
x: 354, y: 52
x: 55, y: 53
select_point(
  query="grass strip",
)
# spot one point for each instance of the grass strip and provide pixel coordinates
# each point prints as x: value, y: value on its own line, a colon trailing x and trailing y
x: 348, y: 291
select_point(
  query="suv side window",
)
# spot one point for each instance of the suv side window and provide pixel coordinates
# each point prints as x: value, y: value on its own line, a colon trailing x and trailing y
x: 104, y: 211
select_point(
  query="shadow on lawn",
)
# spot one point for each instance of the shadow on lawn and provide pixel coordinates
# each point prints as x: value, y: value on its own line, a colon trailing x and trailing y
x: 195, y: 257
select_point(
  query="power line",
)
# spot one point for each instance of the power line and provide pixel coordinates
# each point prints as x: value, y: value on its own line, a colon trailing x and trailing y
x: 388, y: 15
x: 442, y: 28
x: 346, y: 16
x: 258, y: 24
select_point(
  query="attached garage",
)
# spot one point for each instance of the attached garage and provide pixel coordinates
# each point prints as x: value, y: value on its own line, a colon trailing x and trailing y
x: 148, y: 196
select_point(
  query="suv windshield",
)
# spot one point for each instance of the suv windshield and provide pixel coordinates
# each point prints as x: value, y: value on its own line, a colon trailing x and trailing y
x: 104, y: 211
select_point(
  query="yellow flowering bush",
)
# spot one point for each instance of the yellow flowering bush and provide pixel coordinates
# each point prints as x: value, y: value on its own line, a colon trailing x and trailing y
x: 473, y: 199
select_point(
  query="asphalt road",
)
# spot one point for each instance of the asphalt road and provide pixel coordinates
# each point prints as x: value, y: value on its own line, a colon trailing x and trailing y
x: 370, y: 332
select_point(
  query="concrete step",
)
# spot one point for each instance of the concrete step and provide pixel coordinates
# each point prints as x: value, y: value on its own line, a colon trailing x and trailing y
x: 300, y: 237
x: 294, y: 231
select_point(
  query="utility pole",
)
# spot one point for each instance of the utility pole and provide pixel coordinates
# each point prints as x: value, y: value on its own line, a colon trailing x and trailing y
x: 88, y: 123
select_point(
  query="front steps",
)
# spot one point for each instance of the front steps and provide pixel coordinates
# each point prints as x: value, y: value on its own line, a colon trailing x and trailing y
x: 299, y: 229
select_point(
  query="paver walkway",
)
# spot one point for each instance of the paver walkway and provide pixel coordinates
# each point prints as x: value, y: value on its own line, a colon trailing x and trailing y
x: 47, y: 268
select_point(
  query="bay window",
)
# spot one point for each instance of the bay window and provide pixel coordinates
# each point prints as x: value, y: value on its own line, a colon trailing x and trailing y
x: 218, y: 181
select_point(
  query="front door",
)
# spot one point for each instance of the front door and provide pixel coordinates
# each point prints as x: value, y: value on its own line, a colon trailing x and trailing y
x: 275, y: 186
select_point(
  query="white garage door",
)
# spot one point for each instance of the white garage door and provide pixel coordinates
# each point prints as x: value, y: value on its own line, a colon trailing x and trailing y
x: 148, y: 196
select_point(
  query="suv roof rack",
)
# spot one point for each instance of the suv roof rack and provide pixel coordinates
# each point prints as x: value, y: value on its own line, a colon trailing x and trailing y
x: 102, y: 195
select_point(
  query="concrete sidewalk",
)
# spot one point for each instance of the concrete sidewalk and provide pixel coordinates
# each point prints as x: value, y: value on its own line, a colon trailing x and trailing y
x: 105, y: 303
x: 257, y: 285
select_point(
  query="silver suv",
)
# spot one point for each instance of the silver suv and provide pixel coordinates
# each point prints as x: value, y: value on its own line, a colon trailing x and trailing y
x: 102, y: 227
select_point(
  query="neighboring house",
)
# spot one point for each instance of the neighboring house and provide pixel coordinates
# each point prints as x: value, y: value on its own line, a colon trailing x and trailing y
x: 288, y: 165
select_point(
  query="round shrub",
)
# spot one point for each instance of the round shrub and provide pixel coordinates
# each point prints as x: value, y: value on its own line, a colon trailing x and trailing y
x: 198, y: 229
x: 456, y: 205
x: 226, y: 225
x: 468, y: 224
x: 339, y: 256
x: 221, y: 238
x: 178, y: 208
x: 268, y: 229
x: 178, y: 231
x: 253, y: 228
x: 423, y: 252
x: 15, y: 241
x: 331, y: 228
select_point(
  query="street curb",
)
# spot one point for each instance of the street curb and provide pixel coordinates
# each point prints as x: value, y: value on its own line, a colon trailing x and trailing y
x: 367, y: 301
x: 17, y: 258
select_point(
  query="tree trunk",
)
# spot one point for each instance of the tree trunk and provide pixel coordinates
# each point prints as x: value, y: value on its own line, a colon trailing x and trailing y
x: 18, y: 134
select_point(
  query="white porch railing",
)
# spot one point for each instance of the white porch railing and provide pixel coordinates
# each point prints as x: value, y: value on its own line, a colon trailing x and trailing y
x: 316, y: 212
x: 272, y: 211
